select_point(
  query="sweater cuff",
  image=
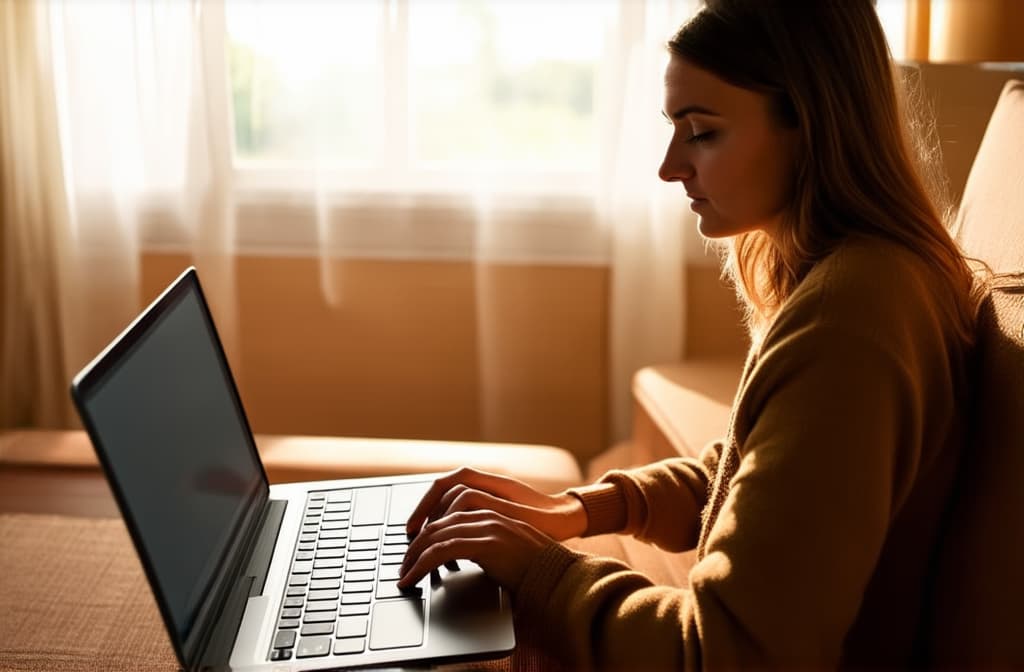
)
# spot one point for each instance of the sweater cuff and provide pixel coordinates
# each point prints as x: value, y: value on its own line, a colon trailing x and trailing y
x: 605, y: 506
x: 542, y: 576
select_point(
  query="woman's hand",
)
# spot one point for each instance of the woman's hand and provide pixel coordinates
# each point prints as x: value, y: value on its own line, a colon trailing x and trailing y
x: 502, y: 546
x: 559, y: 517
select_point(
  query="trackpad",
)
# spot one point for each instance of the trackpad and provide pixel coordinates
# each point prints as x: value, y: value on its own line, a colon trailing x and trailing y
x: 397, y: 624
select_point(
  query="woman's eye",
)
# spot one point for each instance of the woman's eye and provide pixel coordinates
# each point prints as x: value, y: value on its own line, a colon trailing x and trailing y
x: 698, y: 138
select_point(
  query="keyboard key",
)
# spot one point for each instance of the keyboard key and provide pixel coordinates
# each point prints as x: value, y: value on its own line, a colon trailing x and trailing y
x: 404, y: 498
x: 396, y: 539
x: 329, y: 563
x: 330, y: 553
x: 372, y: 545
x: 351, y: 626
x: 334, y: 525
x: 338, y: 507
x: 354, y: 609
x: 389, y: 589
x: 359, y: 576
x: 284, y: 639
x: 307, y: 537
x: 307, y: 545
x: 396, y: 624
x: 310, y: 647
x: 361, y: 565
x: 281, y: 654
x: 365, y: 587
x: 396, y: 529
x: 327, y: 573
x: 302, y: 567
x: 298, y: 580
x: 339, y: 517
x: 351, y: 645
x: 296, y: 591
x: 290, y: 613
x: 319, y: 617
x: 316, y: 496
x: 334, y: 534
x: 285, y: 623
x: 316, y: 595
x: 389, y: 572
x: 318, y: 629
x: 304, y: 555
x: 291, y: 602
x: 392, y: 559
x: 325, y: 584
x: 339, y: 496
x: 322, y: 605
x: 362, y: 555
x: 355, y: 598
x: 366, y: 534
x: 369, y: 506
x: 331, y: 543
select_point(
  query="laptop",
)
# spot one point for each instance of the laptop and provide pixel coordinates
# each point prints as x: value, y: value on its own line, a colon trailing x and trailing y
x: 252, y: 576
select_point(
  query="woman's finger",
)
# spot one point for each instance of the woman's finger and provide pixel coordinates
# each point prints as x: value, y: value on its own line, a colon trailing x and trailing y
x: 435, y: 502
x: 503, y: 547
x: 433, y: 496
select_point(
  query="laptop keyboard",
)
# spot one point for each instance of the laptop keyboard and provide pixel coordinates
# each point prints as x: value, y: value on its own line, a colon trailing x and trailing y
x: 342, y: 596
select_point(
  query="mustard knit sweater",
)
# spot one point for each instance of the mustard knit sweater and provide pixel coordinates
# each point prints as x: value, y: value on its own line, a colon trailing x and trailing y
x: 815, y: 522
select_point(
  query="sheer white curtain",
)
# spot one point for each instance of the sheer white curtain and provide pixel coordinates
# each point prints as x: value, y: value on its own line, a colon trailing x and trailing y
x: 641, y: 220
x: 145, y: 136
x: 646, y: 220
x: 33, y: 227
x: 146, y: 133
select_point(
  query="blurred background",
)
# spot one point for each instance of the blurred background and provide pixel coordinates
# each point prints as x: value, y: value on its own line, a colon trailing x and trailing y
x: 433, y: 219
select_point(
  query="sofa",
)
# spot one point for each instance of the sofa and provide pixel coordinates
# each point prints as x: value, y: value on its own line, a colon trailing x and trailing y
x: 979, y: 580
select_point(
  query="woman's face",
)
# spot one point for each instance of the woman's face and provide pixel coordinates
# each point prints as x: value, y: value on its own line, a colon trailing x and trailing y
x: 732, y: 156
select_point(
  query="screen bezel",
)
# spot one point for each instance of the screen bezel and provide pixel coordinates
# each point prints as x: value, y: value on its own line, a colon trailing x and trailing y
x: 188, y: 646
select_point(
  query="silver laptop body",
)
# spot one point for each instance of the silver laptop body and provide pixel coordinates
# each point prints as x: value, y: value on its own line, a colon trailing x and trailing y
x: 248, y: 576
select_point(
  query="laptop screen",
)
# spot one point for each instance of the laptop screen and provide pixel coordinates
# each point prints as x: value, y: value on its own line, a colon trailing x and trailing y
x: 164, y: 413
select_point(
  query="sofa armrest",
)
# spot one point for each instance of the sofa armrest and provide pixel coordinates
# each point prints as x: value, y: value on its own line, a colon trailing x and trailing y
x: 302, y: 458
x: 680, y: 407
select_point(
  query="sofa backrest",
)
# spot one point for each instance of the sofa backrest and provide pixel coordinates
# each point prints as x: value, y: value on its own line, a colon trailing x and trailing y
x: 978, y: 598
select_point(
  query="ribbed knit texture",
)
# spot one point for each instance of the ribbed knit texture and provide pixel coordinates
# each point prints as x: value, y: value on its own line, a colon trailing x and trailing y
x: 605, y: 507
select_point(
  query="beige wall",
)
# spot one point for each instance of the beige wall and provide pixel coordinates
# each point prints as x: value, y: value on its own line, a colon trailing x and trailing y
x: 399, y: 355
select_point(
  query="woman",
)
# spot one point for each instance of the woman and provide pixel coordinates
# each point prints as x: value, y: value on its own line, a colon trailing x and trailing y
x: 816, y: 520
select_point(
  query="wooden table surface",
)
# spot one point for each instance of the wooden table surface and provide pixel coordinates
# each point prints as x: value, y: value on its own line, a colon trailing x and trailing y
x: 68, y: 491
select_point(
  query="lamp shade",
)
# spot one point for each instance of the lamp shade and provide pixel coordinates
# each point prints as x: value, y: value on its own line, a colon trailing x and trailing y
x: 972, y: 31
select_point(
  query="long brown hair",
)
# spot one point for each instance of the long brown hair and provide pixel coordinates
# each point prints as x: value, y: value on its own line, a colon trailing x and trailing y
x: 861, y: 171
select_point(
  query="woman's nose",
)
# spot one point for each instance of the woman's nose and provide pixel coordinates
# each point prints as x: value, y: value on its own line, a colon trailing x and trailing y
x: 676, y: 166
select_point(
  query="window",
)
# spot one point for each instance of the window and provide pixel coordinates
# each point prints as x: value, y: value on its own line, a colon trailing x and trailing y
x: 418, y: 88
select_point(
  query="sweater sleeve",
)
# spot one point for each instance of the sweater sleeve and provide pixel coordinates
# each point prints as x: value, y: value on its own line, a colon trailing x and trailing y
x: 659, y: 503
x: 834, y: 419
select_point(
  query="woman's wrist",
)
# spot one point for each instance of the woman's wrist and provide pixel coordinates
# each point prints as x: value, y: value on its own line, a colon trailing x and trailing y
x: 604, y: 507
x: 572, y: 515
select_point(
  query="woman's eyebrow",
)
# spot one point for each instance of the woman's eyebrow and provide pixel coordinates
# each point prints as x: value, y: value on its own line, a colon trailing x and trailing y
x: 681, y: 113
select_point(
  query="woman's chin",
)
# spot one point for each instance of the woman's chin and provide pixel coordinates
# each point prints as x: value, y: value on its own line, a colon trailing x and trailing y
x: 709, y: 228
x: 713, y: 227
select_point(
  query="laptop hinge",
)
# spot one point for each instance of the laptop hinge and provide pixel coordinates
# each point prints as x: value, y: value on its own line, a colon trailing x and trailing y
x: 215, y: 651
